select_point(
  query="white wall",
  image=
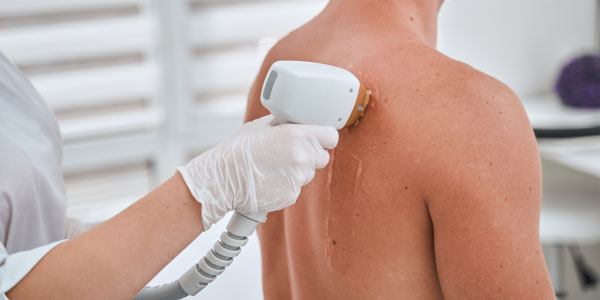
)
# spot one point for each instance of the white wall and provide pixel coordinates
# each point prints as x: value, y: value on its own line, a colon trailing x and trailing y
x: 522, y: 43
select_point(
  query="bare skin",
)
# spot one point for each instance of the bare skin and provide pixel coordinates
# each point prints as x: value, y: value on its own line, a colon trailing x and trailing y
x: 116, y: 259
x: 434, y: 195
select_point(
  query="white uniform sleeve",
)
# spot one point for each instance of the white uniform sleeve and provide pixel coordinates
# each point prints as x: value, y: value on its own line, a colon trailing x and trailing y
x: 15, y: 266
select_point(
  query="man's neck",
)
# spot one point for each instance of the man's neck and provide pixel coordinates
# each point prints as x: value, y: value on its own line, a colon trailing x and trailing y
x: 410, y: 18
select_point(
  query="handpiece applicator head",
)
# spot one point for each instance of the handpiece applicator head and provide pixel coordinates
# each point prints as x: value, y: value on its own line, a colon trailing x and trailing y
x: 312, y: 93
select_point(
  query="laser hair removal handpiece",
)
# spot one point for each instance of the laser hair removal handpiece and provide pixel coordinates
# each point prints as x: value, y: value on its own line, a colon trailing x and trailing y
x: 294, y: 92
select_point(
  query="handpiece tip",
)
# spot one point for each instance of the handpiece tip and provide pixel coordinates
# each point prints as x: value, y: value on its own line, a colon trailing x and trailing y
x: 360, y: 106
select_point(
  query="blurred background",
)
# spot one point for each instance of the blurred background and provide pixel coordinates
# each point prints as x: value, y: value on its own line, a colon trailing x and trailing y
x: 142, y: 86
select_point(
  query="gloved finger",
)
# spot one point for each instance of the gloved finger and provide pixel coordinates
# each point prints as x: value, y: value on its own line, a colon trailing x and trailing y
x: 321, y: 159
x: 263, y: 121
x: 274, y: 121
x: 309, y: 177
x: 326, y: 136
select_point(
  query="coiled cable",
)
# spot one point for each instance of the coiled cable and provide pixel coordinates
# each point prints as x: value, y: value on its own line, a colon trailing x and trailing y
x: 211, y: 265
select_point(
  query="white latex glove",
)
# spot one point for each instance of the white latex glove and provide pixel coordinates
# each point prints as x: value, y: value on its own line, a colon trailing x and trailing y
x: 259, y: 169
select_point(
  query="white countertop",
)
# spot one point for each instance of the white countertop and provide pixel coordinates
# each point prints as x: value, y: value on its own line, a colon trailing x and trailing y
x: 583, y: 154
x: 571, y: 197
x: 548, y: 112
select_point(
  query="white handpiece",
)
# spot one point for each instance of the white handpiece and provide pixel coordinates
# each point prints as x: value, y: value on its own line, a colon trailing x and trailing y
x: 312, y: 93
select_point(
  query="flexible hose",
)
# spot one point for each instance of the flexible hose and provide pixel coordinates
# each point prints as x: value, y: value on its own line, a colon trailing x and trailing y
x: 169, y: 291
x: 211, y: 265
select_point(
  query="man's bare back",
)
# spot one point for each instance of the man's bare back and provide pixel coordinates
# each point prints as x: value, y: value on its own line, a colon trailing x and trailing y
x: 435, y: 194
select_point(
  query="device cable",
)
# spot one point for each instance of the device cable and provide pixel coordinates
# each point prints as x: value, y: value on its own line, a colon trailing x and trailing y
x: 211, y: 265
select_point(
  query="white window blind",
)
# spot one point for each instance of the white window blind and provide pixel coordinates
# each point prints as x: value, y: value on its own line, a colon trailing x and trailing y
x: 140, y: 86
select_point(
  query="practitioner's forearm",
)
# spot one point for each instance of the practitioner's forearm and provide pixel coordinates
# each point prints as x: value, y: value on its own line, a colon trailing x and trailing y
x: 116, y: 259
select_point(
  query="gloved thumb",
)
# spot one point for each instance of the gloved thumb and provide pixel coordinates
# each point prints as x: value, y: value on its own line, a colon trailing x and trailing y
x: 326, y: 136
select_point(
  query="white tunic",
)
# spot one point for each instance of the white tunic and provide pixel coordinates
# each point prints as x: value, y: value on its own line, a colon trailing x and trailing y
x: 32, y: 196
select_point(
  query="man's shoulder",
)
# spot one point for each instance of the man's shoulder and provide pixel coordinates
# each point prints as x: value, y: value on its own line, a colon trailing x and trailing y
x: 447, y: 81
x: 479, y: 103
x: 442, y: 91
x: 457, y: 117
x: 463, y: 82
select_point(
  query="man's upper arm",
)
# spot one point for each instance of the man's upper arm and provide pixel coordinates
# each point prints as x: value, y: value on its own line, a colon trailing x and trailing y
x: 485, y: 200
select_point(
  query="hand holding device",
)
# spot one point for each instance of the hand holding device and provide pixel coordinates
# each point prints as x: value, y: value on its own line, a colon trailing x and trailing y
x: 263, y: 166
x: 259, y: 169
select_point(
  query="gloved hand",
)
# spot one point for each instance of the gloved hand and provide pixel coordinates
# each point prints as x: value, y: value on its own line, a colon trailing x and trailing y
x: 259, y: 169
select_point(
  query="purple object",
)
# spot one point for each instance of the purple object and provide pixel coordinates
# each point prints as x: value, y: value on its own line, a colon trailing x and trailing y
x: 579, y: 82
